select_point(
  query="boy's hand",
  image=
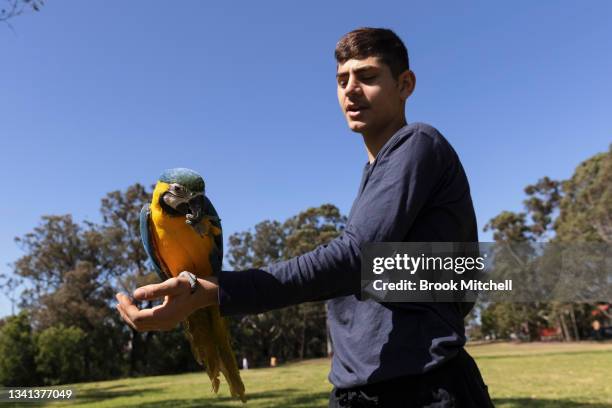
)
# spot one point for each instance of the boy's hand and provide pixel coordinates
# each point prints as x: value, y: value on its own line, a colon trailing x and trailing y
x: 178, y: 304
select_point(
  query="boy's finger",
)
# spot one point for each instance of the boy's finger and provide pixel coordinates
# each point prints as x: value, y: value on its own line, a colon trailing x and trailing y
x: 170, y: 287
x: 144, y: 319
x: 125, y: 318
x: 123, y: 299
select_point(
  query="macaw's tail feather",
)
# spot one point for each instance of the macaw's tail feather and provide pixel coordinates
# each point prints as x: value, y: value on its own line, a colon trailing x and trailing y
x: 228, y: 365
x: 198, y: 329
x: 207, y: 333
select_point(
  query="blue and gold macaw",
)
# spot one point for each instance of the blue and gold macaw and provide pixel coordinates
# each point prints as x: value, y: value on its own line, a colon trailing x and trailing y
x: 181, y: 231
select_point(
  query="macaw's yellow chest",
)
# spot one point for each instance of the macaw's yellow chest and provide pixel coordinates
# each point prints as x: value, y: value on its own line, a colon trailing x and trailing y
x: 179, y: 246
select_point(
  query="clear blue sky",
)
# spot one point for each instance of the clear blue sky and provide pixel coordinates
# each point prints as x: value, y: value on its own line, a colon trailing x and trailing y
x: 97, y: 95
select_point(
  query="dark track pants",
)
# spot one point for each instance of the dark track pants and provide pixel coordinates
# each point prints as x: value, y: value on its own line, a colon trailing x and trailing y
x: 455, y: 384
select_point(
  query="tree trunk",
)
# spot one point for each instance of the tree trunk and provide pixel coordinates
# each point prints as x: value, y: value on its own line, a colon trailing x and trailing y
x: 574, y: 325
x: 566, y: 335
x: 135, y: 350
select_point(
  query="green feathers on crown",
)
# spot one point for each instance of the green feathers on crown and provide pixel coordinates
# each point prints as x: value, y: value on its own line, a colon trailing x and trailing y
x: 185, y: 177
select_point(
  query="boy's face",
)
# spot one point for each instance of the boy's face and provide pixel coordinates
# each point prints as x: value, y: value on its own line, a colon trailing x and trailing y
x: 369, y: 96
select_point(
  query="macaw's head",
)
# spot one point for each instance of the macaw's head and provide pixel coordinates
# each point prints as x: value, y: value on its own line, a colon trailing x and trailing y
x: 184, y: 195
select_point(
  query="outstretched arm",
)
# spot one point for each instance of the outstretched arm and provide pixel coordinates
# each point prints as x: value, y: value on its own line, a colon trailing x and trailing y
x: 395, y: 190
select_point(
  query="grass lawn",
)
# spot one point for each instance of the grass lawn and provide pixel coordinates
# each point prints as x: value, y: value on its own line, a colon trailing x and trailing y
x: 518, y: 375
x: 556, y: 375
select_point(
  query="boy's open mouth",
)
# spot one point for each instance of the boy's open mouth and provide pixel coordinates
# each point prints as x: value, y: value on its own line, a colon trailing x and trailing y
x: 354, y: 110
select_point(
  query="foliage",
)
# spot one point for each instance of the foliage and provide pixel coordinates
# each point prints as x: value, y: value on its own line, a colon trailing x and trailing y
x: 17, y: 349
x: 53, y: 249
x: 586, y: 206
x: 298, y: 331
x: 60, y: 356
x: 576, y: 210
x: 13, y: 8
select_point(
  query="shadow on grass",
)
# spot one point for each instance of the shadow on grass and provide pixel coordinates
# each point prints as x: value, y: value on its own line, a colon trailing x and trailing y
x: 98, y: 394
x: 289, y: 398
x: 545, y: 403
x: 90, y: 396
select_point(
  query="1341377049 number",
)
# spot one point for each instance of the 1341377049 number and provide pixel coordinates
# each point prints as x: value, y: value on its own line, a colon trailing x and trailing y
x: 32, y: 393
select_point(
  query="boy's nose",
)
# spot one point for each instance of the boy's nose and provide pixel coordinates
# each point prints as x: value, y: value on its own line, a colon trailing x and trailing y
x: 352, y: 87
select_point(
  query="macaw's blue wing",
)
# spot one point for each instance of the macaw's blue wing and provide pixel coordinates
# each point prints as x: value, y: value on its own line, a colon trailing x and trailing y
x: 147, y: 241
x: 216, y: 255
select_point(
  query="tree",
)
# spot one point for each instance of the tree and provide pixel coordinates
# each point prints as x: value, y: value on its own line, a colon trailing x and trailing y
x: 125, y: 258
x: 78, y: 268
x: 13, y: 8
x: 60, y: 356
x: 52, y: 249
x: 294, y: 332
x: 64, y: 268
x: 169, y: 353
x: 87, y: 298
x: 305, y: 232
x: 585, y: 215
x: 585, y: 212
x: 542, y: 201
x: 17, y: 350
x: 583, y: 207
x: 514, y: 234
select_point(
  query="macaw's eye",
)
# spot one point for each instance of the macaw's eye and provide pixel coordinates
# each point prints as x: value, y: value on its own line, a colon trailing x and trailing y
x: 177, y: 189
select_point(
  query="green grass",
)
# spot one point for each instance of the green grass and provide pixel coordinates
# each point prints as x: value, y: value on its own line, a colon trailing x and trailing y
x: 542, y: 375
x: 518, y: 375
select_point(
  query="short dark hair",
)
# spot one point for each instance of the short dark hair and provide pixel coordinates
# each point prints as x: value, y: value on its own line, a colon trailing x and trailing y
x: 374, y: 42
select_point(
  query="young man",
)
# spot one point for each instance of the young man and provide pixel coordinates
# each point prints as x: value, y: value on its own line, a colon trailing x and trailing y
x: 413, y: 189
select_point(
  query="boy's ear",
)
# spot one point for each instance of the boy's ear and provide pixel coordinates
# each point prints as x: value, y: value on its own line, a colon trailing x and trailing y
x: 407, y: 82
